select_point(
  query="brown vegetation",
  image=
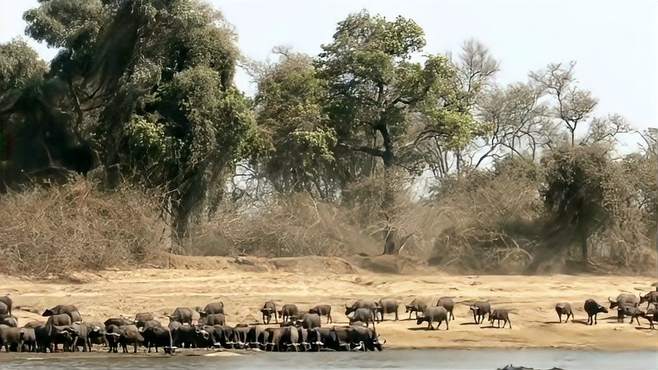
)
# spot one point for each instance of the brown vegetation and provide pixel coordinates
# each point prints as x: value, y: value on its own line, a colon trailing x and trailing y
x: 76, y: 226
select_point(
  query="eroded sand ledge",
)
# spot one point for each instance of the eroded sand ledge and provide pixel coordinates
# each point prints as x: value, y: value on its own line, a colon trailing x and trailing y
x: 244, y: 285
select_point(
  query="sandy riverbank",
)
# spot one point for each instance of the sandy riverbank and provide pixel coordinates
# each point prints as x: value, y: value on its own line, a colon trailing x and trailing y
x: 243, y: 285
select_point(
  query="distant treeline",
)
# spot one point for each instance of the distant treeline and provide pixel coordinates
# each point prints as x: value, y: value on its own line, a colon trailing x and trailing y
x: 332, y: 154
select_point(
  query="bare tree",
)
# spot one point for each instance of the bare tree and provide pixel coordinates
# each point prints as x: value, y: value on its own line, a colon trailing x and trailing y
x: 572, y: 105
x: 606, y: 129
x: 477, y: 69
x: 515, y: 118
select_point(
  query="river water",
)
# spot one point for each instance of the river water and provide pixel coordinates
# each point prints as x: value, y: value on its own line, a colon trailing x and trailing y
x: 392, y: 359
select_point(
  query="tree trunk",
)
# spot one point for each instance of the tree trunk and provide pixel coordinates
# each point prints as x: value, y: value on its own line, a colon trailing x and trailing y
x: 584, y: 250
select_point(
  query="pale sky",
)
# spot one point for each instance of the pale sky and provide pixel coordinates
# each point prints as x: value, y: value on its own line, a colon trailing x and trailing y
x: 615, y: 43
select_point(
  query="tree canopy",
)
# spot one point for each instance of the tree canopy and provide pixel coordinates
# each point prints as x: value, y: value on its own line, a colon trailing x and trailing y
x: 147, y: 87
x: 142, y: 91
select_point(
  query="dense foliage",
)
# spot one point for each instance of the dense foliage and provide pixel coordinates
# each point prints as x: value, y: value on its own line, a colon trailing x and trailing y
x: 142, y: 91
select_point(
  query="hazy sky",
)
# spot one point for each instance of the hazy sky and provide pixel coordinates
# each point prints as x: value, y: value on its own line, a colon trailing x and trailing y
x: 613, y: 42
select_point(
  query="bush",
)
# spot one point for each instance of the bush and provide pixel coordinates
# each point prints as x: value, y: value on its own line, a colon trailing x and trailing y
x: 76, y: 226
x: 294, y: 225
x: 489, y: 219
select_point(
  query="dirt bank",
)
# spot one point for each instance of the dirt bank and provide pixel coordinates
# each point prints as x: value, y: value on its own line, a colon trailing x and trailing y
x: 245, y: 283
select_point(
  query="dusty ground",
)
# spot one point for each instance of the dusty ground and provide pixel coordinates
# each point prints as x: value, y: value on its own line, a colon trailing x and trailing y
x: 244, y: 284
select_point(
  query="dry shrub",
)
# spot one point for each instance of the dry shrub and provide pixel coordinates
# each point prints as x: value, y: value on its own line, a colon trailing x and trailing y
x: 59, y: 229
x: 488, y: 222
x: 295, y: 225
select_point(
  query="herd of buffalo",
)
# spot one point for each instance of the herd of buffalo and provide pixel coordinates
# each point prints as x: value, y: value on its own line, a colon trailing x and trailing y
x: 284, y: 328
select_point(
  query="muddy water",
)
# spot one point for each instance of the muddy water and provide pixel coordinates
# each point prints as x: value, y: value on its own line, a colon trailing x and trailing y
x: 394, y: 359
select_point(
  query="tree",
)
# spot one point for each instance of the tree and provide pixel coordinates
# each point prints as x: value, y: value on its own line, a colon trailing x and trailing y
x: 34, y: 139
x: 572, y: 105
x: 299, y: 153
x: 375, y: 93
x: 449, y: 114
x: 514, y: 116
x: 19, y: 65
x: 584, y: 190
x: 148, y: 84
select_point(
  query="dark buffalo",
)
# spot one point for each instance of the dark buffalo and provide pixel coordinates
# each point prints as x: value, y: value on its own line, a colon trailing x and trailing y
x: 7, y: 302
x: 480, y: 310
x: 130, y: 335
x: 81, y: 331
x: 387, y: 306
x: 213, y: 308
x: 157, y: 336
x: 67, y: 309
x: 652, y: 316
x: 436, y: 314
x: 256, y: 337
x: 364, y: 339
x: 28, y: 340
x: 42, y: 336
x: 288, y: 312
x: 416, y: 306
x: 64, y: 335
x: 593, y: 309
x: 448, y: 304
x: 184, y: 315
x: 143, y: 317
x: 214, y: 319
x: 650, y: 298
x: 10, y: 338
x: 361, y: 303
x: 364, y: 315
x: 564, y: 309
x: 189, y: 336
x: 59, y: 320
x: 269, y: 309
x: 310, y: 321
x: 624, y: 299
x: 150, y: 324
x: 499, y: 315
x: 96, y: 334
x: 634, y: 312
x: 113, y: 336
x: 322, y: 310
x: 223, y: 336
x: 118, y: 321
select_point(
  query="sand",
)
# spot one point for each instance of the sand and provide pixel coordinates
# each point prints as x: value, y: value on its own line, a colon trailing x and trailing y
x: 244, y: 284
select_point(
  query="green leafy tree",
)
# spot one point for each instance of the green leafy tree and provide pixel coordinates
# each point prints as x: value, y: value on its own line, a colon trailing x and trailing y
x: 584, y: 191
x: 376, y: 93
x: 148, y: 84
x: 299, y: 152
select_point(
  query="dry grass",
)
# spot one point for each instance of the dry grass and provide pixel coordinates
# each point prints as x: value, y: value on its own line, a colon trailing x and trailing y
x: 291, y: 226
x: 58, y: 229
x: 485, y: 223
